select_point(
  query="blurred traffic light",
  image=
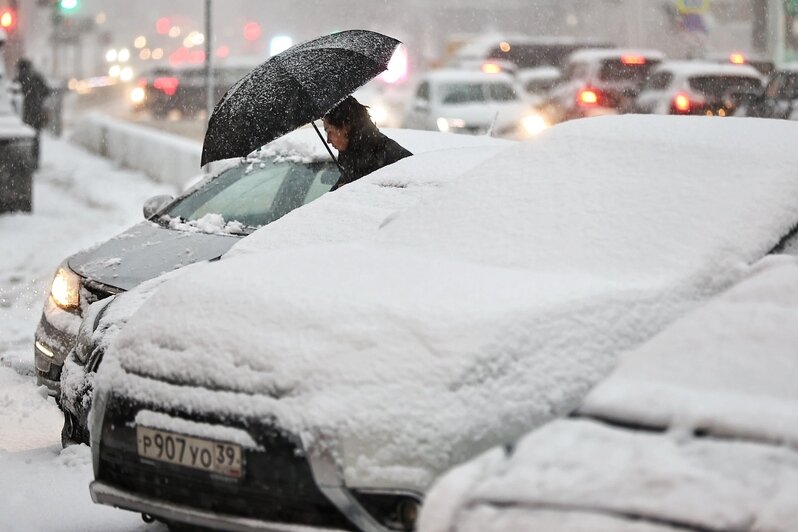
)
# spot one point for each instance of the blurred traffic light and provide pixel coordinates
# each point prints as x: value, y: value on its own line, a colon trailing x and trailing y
x: 8, y: 19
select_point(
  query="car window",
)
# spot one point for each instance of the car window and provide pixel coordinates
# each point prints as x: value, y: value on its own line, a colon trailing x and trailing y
x: 255, y: 194
x: 659, y: 81
x: 774, y: 86
x: 718, y: 86
x: 538, y: 86
x: 617, y: 70
x: 502, y: 92
x: 455, y: 93
x: 576, y: 71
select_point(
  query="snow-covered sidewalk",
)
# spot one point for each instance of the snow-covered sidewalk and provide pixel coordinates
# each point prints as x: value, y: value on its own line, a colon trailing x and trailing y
x: 79, y: 200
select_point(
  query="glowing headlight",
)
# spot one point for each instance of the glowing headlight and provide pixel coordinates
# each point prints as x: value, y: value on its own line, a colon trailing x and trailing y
x: 446, y: 124
x: 534, y: 124
x: 65, y: 290
x: 137, y: 95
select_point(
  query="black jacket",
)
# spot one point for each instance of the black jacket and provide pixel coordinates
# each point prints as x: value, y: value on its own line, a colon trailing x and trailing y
x: 367, y: 152
x: 34, y: 90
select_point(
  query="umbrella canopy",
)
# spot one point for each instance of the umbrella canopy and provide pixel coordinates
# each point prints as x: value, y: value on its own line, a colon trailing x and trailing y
x: 293, y: 88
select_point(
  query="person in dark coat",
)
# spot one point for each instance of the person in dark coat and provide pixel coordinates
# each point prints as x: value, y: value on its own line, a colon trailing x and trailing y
x: 362, y: 149
x: 34, y: 91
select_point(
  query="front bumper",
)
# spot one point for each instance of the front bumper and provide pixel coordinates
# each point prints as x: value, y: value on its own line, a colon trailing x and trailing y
x: 50, y: 349
x: 103, y: 493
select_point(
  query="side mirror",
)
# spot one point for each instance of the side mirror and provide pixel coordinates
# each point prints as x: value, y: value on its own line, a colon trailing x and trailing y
x: 155, y: 204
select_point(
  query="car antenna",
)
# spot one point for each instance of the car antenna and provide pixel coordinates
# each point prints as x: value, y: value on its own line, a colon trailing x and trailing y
x: 492, y: 125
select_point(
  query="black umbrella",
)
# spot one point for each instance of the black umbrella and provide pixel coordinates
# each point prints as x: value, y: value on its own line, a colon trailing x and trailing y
x: 293, y: 88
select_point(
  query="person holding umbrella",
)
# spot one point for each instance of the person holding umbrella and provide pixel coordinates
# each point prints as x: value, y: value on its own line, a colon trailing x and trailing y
x: 362, y: 149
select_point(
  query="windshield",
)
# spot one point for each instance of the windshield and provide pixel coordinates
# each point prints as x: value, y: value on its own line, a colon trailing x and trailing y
x: 720, y: 86
x: 256, y: 193
x: 616, y: 70
x: 460, y: 93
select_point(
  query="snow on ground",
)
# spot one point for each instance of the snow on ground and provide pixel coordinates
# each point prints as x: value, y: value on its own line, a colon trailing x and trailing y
x: 79, y: 200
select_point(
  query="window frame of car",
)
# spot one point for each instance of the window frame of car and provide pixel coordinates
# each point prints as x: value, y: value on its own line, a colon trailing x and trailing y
x: 652, y: 85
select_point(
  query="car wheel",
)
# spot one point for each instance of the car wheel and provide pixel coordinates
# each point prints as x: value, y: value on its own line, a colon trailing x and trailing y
x: 72, y: 433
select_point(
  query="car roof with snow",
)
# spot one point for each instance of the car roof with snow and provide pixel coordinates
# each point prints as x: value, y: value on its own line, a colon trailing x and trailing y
x: 698, y: 429
x: 489, y: 307
x: 707, y: 68
x: 482, y: 45
x: 593, y: 55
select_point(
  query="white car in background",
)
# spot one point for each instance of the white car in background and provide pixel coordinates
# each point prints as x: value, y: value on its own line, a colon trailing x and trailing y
x: 696, y: 430
x: 698, y: 88
x: 473, y: 102
x: 340, y: 379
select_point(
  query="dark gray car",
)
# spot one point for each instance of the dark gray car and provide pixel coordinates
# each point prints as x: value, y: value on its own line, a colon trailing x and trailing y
x: 199, y: 225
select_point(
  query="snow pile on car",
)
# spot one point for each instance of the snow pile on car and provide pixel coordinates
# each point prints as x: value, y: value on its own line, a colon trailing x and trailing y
x: 486, y: 310
x: 726, y: 371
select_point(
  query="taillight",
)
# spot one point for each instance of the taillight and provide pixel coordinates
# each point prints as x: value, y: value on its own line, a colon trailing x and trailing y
x: 633, y: 60
x: 588, y: 97
x: 142, y: 82
x: 167, y: 85
x: 681, y: 102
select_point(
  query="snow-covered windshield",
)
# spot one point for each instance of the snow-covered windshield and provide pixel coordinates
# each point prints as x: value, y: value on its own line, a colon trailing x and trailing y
x: 255, y: 193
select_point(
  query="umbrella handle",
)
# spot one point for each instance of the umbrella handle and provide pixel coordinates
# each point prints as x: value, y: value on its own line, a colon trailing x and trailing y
x: 328, y: 149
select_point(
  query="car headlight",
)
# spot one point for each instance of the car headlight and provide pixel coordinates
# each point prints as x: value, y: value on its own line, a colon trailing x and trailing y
x: 137, y: 95
x: 379, y: 114
x: 65, y: 289
x: 446, y: 124
x: 534, y: 124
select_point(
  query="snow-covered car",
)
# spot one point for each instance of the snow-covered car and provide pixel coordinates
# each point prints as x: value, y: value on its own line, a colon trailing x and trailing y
x: 199, y: 225
x: 698, y: 88
x: 353, y: 212
x: 780, y: 97
x: 600, y: 82
x: 17, y: 149
x: 472, y: 102
x: 696, y: 430
x: 333, y: 383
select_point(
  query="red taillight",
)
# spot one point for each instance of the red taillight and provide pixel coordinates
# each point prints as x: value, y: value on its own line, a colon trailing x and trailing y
x: 167, y: 85
x: 681, y: 103
x: 588, y: 97
x: 141, y: 82
x: 633, y: 60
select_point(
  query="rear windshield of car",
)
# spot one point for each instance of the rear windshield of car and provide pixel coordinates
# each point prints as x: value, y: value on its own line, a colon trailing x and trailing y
x: 615, y: 70
x: 717, y: 86
x: 256, y: 193
x: 463, y: 93
x: 534, y: 55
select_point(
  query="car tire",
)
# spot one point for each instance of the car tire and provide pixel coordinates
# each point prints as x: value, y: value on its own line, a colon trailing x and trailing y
x: 72, y: 433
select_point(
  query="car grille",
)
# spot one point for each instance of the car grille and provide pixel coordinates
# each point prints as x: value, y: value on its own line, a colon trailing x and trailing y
x: 277, y: 486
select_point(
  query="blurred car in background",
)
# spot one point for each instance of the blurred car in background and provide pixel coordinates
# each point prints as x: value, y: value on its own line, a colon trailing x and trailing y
x: 779, y: 98
x: 696, y: 430
x: 289, y: 172
x: 518, y: 52
x: 537, y: 82
x: 763, y: 65
x: 472, y: 102
x: 477, y: 314
x: 600, y: 82
x: 165, y: 89
x: 698, y: 88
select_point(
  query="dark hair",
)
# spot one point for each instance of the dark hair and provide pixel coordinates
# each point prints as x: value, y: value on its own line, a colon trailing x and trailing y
x: 350, y: 113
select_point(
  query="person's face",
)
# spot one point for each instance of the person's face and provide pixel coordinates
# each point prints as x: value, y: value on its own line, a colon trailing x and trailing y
x: 337, y: 136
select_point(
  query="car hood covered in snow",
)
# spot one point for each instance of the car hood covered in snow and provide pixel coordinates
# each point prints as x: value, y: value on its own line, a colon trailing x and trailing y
x: 726, y: 370
x: 489, y: 308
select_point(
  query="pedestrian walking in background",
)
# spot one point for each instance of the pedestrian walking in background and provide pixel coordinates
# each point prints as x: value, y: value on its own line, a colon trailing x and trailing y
x: 34, y: 91
x: 362, y: 149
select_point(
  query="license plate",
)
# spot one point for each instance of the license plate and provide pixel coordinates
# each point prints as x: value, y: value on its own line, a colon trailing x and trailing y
x: 197, y: 453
